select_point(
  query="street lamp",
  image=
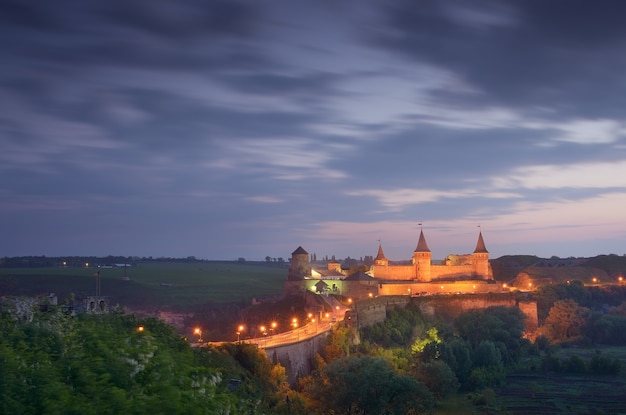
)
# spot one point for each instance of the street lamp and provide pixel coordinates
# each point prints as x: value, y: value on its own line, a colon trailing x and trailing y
x: 239, y: 330
x: 198, y: 332
x: 273, y: 327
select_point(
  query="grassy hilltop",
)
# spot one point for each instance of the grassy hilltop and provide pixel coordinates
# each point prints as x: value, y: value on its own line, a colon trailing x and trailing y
x: 160, y: 284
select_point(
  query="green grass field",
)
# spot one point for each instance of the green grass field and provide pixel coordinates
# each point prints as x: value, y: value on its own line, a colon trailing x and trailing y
x: 176, y: 285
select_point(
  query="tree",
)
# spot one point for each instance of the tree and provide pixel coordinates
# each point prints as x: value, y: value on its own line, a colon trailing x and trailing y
x: 438, y: 378
x: 565, y: 321
x: 367, y: 385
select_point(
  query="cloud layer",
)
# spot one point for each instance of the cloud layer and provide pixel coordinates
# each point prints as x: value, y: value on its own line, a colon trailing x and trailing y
x: 223, y: 129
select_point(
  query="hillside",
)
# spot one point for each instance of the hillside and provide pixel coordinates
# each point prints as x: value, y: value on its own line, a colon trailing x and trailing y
x: 520, y: 270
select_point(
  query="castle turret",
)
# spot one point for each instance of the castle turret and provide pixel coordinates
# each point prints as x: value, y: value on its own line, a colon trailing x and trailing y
x: 421, y: 259
x: 300, y: 267
x: 334, y: 265
x: 380, y: 258
x: 481, y: 259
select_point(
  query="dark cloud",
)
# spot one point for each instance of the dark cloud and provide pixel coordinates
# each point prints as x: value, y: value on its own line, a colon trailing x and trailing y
x: 565, y: 54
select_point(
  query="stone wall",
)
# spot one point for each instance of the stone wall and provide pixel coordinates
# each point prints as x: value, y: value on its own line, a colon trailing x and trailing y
x: 451, y: 271
x: 297, y: 358
x: 394, y: 272
x: 368, y: 312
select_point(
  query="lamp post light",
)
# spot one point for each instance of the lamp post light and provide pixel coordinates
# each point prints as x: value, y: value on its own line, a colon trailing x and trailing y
x: 263, y: 331
x: 239, y: 331
x: 294, y: 323
x: 198, y: 332
x: 273, y: 327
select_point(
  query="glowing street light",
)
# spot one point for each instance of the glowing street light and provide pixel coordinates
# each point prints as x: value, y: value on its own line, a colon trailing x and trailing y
x: 239, y: 331
x: 140, y: 329
x: 294, y: 323
x: 198, y: 332
x: 273, y: 327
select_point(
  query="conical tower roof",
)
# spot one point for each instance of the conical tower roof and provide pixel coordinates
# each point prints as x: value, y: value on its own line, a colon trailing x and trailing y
x: 381, y: 255
x: 422, y: 246
x: 299, y: 251
x: 480, y: 245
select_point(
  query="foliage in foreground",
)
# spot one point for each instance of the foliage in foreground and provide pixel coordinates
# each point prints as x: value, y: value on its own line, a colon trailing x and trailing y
x: 53, y: 363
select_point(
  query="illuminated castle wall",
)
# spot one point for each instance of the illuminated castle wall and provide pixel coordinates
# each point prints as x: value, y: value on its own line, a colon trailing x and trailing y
x: 474, y: 265
x: 470, y: 273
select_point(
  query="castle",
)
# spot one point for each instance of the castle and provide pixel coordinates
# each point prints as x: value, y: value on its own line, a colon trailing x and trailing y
x: 458, y: 274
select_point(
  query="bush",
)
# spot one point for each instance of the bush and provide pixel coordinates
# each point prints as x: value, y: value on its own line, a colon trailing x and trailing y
x: 602, y: 365
x: 574, y: 364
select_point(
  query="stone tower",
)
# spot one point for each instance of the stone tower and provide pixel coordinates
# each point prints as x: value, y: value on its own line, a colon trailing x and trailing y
x: 481, y: 259
x: 380, y: 258
x: 300, y: 266
x: 421, y: 259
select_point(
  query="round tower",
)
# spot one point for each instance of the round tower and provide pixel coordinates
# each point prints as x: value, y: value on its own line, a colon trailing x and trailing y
x: 300, y: 267
x: 421, y: 259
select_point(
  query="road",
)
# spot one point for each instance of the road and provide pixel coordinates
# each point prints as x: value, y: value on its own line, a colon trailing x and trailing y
x: 311, y: 329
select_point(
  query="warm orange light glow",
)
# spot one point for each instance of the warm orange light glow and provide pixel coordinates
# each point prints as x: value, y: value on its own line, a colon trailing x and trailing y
x: 621, y: 278
x: 370, y: 295
x: 442, y: 287
x: 140, y: 329
x: 274, y: 324
x: 594, y: 279
x: 312, y: 320
x: 263, y: 329
x: 349, y: 300
x: 327, y: 315
x: 294, y: 321
x: 240, y: 328
x: 310, y: 315
x: 197, y: 330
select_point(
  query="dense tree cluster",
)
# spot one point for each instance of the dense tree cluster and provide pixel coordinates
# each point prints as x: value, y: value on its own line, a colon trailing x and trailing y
x: 53, y: 362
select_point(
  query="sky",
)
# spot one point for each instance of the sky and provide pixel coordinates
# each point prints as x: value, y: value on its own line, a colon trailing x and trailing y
x: 227, y: 129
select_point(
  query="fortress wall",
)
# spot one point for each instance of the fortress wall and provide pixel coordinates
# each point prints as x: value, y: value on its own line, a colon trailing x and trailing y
x: 373, y: 311
x: 445, y: 287
x: 451, y: 307
x: 530, y: 311
x: 394, y: 272
x: 451, y: 271
x: 297, y: 358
